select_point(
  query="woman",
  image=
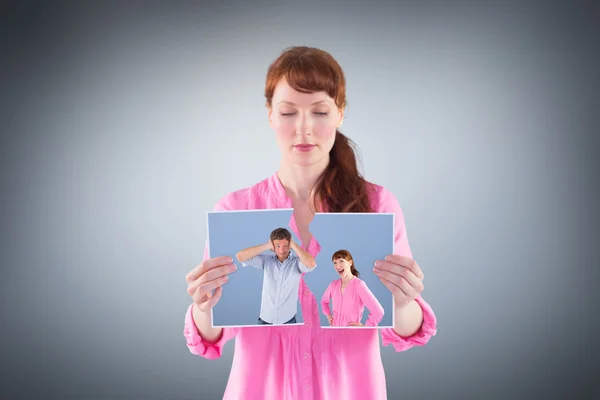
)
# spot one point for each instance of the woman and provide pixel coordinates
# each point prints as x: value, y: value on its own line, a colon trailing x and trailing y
x: 305, y: 98
x: 350, y: 295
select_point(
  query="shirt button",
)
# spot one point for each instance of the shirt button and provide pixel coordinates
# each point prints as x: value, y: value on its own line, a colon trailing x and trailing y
x: 306, y: 386
x: 306, y: 292
x: 306, y: 356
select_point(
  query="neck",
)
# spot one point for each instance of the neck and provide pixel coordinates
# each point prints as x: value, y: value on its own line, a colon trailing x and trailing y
x: 346, y: 277
x: 298, y: 180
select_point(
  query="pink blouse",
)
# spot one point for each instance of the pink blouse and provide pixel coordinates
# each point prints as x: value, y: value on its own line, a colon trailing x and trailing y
x: 306, y: 361
x: 349, y: 305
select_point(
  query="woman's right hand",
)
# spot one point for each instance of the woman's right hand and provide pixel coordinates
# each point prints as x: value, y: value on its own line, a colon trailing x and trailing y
x: 330, y: 318
x: 209, y: 275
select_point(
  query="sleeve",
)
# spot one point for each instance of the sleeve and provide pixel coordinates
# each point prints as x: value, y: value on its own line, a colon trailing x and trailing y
x: 200, y: 347
x: 370, y: 301
x: 303, y: 268
x: 258, y: 261
x: 325, y: 301
x: 426, y: 332
x: 389, y: 204
x: 196, y: 344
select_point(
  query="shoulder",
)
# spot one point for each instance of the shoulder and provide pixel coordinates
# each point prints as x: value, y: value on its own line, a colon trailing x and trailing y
x: 360, y: 285
x: 267, y: 257
x: 382, y: 199
x: 245, y: 198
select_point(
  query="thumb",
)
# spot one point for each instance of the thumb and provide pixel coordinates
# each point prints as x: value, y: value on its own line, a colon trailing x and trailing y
x: 214, y: 298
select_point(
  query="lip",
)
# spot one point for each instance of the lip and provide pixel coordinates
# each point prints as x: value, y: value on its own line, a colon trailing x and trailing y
x: 304, y: 147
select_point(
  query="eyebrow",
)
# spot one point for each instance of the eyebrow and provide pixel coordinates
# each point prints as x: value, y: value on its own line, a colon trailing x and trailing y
x: 293, y: 104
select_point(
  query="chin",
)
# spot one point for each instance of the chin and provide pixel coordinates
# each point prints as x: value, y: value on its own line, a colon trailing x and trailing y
x: 308, y: 159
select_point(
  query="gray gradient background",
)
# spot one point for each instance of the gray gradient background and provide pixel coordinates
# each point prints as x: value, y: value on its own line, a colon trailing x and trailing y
x: 123, y: 124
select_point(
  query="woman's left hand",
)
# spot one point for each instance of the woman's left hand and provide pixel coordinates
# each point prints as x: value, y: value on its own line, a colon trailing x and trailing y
x: 355, y: 324
x: 402, y: 276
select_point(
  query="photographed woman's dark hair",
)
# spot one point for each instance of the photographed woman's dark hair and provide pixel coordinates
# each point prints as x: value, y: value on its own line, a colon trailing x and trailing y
x: 345, y: 254
x: 341, y: 188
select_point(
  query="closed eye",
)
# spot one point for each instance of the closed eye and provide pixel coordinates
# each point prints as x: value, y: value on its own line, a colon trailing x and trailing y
x: 317, y: 113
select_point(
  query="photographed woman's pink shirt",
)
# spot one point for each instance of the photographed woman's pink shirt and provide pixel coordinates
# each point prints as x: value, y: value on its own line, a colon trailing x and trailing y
x: 307, y: 361
x: 349, y: 304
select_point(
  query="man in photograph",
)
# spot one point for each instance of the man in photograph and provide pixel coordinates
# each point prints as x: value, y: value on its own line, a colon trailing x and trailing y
x: 282, y: 271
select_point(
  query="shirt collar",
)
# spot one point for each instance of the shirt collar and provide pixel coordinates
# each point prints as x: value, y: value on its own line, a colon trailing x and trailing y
x: 287, y: 258
x: 277, y: 187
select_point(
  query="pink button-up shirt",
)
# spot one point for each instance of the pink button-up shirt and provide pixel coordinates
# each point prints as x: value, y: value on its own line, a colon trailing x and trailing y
x: 306, y: 361
x: 349, y: 304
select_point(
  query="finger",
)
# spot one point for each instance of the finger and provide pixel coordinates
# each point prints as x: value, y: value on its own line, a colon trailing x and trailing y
x: 411, y: 278
x: 208, y: 287
x: 398, y: 259
x: 204, y: 293
x: 406, y: 262
x: 213, y: 274
x: 400, y: 287
x: 210, y: 303
x: 396, y: 290
x: 207, y: 265
x: 396, y: 269
x: 388, y: 274
x: 217, y: 272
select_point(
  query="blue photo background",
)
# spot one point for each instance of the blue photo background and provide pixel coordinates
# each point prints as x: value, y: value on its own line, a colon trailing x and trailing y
x: 228, y: 233
x: 368, y: 237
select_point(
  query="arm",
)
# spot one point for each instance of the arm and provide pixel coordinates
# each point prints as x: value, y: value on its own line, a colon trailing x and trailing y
x: 407, y: 332
x: 325, y: 301
x: 307, y: 262
x: 407, y: 320
x: 251, y: 255
x: 201, y: 337
x: 375, y: 308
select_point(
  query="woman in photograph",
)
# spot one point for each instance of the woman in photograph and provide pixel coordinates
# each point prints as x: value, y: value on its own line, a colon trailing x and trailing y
x: 350, y: 295
x: 305, y: 95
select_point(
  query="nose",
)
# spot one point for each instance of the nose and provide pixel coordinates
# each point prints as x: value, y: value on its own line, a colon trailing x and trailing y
x: 304, y: 125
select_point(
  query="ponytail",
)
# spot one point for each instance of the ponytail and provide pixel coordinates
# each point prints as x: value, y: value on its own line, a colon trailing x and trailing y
x: 354, y: 271
x: 341, y: 187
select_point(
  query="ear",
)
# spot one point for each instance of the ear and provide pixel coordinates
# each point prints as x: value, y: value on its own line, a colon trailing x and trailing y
x: 270, y: 115
x: 341, y: 117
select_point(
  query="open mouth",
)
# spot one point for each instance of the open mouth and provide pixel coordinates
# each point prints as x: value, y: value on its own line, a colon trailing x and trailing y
x: 340, y: 271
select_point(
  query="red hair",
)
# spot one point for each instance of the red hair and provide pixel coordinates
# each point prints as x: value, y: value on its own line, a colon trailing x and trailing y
x: 345, y: 254
x: 341, y: 187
